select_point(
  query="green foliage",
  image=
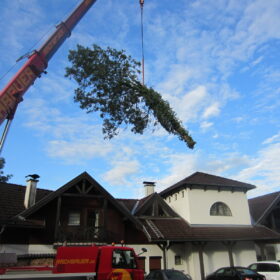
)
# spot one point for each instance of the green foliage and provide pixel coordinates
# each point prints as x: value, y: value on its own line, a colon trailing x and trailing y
x: 108, y: 84
x: 3, y: 178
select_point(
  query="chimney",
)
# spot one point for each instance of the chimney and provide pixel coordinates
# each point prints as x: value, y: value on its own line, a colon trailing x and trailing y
x: 149, y: 188
x: 30, y: 193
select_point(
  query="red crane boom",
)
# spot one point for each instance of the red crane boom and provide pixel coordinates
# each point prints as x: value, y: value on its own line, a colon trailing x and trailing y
x: 37, y: 62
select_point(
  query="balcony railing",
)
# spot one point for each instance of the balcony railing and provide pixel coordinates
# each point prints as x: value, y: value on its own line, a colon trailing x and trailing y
x: 81, y: 234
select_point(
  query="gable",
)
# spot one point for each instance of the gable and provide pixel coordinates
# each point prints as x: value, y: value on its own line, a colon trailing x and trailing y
x: 155, y: 206
x: 81, y: 187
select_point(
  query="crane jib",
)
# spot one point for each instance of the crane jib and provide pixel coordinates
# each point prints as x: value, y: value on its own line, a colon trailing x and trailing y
x: 12, y: 94
x: 64, y: 30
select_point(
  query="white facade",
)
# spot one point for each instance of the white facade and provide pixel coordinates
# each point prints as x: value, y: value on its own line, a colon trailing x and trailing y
x: 194, y: 206
x: 215, y: 255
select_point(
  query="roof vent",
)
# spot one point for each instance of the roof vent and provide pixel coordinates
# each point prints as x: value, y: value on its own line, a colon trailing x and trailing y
x: 149, y: 187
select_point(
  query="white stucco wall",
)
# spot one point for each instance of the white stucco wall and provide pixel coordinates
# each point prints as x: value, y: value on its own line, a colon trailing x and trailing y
x: 194, y: 206
x: 215, y: 255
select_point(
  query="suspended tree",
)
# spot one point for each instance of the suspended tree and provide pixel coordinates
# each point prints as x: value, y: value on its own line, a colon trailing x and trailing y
x: 108, y: 83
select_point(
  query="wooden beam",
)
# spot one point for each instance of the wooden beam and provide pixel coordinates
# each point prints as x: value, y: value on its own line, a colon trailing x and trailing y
x: 200, y: 245
x: 58, y: 209
x: 82, y: 195
x: 78, y: 189
x: 84, y: 186
x: 261, y: 245
x: 229, y: 245
x: 164, y: 247
x: 89, y: 188
x: 105, y: 207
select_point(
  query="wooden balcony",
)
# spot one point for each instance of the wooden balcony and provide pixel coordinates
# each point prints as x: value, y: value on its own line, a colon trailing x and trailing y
x: 81, y: 234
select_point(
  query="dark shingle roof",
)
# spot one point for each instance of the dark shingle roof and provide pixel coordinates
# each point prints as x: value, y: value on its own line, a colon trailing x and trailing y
x: 12, y: 198
x: 177, y: 229
x: 207, y: 180
x: 128, y: 203
x: 260, y: 206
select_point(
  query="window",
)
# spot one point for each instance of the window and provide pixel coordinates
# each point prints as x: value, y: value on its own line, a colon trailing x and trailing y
x: 178, y: 260
x: 123, y: 259
x: 74, y: 218
x: 92, y: 218
x: 267, y: 267
x: 220, y: 209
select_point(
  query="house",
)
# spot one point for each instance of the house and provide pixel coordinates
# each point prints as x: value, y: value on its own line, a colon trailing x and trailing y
x: 265, y: 210
x: 197, y: 225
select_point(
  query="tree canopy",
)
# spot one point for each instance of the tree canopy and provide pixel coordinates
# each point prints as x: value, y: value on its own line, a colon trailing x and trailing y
x: 108, y: 83
x: 3, y: 178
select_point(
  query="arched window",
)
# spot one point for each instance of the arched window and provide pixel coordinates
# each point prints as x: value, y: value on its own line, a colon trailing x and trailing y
x: 220, y: 209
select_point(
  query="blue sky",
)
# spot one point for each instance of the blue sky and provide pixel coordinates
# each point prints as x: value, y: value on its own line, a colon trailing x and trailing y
x: 216, y: 62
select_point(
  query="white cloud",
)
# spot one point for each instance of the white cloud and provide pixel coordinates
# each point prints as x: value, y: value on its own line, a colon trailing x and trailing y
x: 205, y: 125
x: 75, y: 152
x: 121, y: 170
x: 211, y: 111
x: 258, y: 24
x: 257, y: 61
x: 189, y: 105
x: 238, y: 119
x: 272, y: 139
x: 176, y: 80
x: 180, y: 166
x: 264, y: 169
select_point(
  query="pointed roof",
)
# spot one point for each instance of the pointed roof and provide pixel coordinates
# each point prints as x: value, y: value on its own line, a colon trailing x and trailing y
x: 154, y: 205
x: 73, y: 183
x: 261, y: 206
x: 200, y: 179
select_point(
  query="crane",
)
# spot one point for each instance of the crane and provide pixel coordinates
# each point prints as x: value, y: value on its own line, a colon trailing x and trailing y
x: 37, y: 62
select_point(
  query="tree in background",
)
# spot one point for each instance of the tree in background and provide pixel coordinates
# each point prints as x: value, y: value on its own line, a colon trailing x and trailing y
x: 3, y: 178
x: 108, y: 83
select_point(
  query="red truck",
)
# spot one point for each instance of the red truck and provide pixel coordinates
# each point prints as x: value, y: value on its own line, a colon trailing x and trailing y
x: 83, y: 262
